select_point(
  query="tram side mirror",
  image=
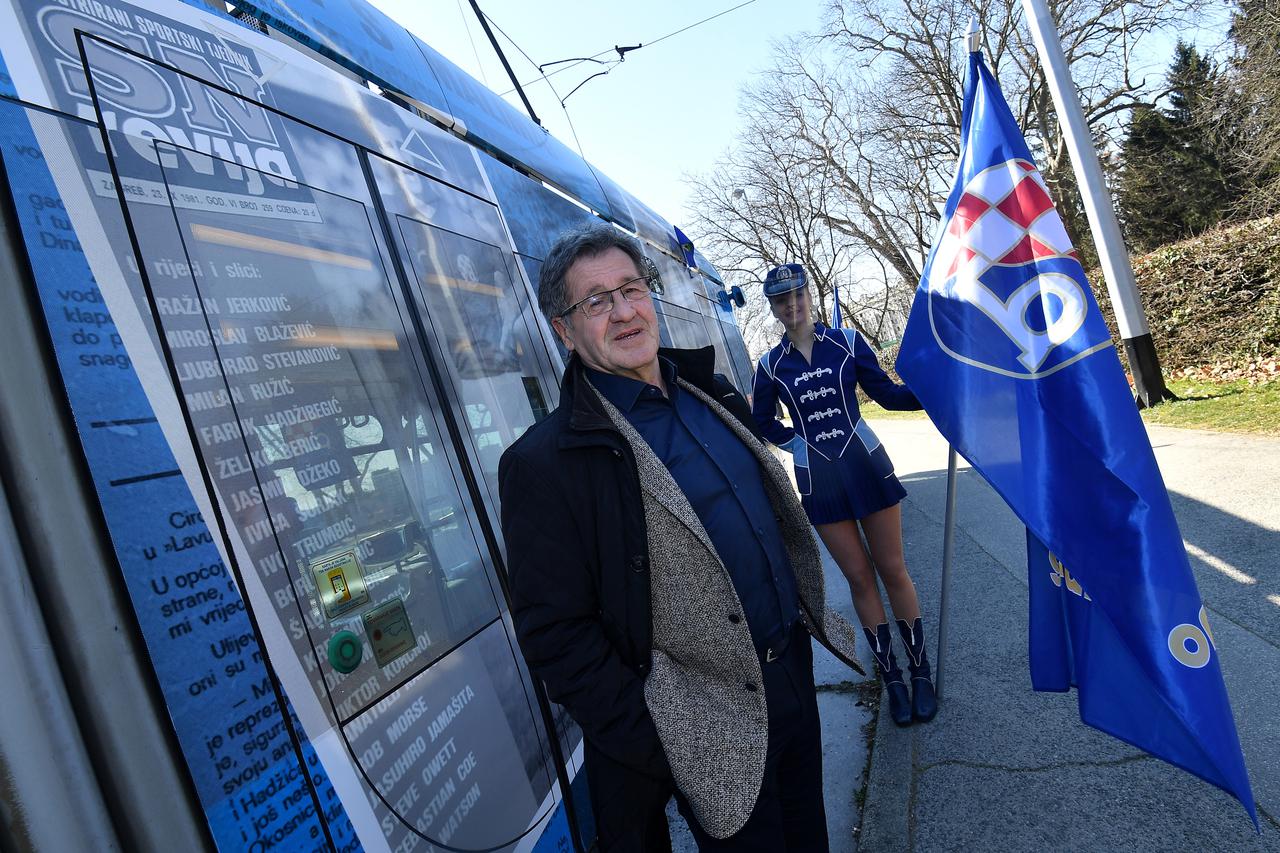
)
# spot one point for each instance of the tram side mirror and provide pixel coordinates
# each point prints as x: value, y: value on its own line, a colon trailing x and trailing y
x: 732, y: 296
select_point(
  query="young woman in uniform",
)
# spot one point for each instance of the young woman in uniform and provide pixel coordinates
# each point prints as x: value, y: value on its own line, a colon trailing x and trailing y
x: 844, y: 475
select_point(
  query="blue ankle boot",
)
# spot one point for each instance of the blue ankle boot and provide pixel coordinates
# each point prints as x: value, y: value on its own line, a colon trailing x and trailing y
x: 924, y: 703
x: 890, y: 673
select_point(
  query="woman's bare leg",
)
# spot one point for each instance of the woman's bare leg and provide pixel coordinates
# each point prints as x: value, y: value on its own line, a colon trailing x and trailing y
x: 845, y: 544
x: 884, y: 536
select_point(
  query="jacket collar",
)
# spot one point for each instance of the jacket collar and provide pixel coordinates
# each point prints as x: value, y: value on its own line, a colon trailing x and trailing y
x: 624, y: 391
x: 586, y: 412
x: 820, y: 331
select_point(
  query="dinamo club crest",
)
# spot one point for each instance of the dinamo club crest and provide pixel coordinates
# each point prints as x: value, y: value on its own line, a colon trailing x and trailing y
x: 1005, y: 259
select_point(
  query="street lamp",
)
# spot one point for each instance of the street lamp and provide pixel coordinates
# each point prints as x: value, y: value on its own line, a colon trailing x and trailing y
x: 733, y: 295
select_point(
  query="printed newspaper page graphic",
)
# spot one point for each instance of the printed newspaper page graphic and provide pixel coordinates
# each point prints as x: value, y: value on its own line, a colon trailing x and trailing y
x: 327, y: 449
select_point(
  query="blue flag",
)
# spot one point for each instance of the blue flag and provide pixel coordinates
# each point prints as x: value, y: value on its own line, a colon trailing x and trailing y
x: 685, y: 247
x: 837, y: 321
x: 1007, y: 351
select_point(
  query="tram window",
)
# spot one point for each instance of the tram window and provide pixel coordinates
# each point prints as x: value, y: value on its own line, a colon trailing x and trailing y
x: 742, y: 366
x: 532, y: 269
x: 683, y: 328
x: 482, y: 324
x: 337, y: 433
x: 715, y: 333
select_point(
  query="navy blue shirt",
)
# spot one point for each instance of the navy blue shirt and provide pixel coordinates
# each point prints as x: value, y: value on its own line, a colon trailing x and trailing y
x: 721, y: 478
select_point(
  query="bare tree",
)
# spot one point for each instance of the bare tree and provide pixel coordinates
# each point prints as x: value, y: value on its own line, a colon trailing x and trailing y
x: 1250, y: 105
x: 773, y: 201
x: 852, y: 134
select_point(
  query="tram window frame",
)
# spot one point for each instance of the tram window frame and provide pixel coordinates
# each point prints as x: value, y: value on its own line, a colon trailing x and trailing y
x: 398, y: 206
x: 460, y: 500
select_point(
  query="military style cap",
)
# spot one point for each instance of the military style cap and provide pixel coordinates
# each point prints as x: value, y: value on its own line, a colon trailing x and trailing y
x: 784, y: 279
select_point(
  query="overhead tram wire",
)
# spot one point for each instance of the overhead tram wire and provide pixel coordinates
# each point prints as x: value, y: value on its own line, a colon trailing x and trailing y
x: 573, y: 63
x: 568, y: 118
x: 578, y: 60
x: 487, y: 19
x: 474, y: 52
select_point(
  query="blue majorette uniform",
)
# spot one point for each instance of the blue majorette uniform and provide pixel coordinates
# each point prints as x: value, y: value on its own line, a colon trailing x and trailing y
x: 842, y: 470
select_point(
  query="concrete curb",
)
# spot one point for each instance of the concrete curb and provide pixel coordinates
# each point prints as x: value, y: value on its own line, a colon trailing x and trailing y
x: 886, y: 813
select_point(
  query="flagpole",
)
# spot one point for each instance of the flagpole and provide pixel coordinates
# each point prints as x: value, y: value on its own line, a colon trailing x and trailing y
x: 1112, y: 254
x: 973, y: 40
x: 948, y: 551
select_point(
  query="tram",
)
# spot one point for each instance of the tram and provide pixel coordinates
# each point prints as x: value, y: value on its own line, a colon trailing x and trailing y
x: 269, y: 297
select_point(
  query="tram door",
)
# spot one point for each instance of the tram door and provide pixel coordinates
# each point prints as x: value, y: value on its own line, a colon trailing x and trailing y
x: 352, y: 349
x: 483, y: 328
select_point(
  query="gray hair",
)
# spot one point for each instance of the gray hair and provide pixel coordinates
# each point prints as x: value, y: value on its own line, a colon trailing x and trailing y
x: 582, y: 241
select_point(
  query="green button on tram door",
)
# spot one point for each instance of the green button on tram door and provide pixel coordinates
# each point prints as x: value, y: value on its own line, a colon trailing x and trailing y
x: 345, y: 651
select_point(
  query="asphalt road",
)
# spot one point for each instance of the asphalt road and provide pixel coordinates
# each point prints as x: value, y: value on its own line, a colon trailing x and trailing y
x: 1005, y: 768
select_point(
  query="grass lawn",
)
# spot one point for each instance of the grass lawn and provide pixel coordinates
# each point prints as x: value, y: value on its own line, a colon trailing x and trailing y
x: 873, y: 412
x: 1223, y: 406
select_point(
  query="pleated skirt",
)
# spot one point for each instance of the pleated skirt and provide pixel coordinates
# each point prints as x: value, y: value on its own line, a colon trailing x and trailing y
x: 851, y: 487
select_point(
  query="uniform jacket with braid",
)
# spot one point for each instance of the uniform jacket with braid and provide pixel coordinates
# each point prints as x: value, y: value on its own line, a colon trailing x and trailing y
x: 622, y: 606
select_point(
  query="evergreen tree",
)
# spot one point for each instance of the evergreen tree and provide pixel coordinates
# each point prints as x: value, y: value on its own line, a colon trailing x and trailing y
x: 1173, y: 183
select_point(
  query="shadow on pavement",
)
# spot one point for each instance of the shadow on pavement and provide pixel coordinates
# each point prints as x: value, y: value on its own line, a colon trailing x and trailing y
x: 1003, y: 767
x: 1235, y: 565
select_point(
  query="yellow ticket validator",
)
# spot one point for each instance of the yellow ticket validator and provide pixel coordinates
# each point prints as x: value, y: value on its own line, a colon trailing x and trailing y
x: 340, y: 582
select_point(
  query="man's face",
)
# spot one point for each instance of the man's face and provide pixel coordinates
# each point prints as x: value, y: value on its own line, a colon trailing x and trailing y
x: 791, y: 308
x: 624, y: 340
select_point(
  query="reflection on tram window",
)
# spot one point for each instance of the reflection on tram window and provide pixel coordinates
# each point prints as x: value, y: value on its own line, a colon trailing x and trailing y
x: 654, y: 276
x: 723, y: 365
x: 743, y: 369
x: 472, y: 303
x: 683, y: 328
x: 679, y: 287
x: 534, y: 394
x: 318, y: 430
x: 532, y: 270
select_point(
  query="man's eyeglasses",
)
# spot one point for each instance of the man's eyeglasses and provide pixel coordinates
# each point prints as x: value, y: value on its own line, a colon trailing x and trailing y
x: 601, y: 302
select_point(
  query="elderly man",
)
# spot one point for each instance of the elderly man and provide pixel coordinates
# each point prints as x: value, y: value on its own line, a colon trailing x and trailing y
x: 664, y: 578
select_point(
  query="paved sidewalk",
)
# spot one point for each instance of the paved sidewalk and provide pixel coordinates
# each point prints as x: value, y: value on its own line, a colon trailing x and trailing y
x: 1005, y: 768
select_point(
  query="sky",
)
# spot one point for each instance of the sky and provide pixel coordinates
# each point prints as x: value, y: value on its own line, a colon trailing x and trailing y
x: 669, y: 109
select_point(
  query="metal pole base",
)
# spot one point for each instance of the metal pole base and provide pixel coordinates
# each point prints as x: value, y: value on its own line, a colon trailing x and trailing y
x: 1148, y: 383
